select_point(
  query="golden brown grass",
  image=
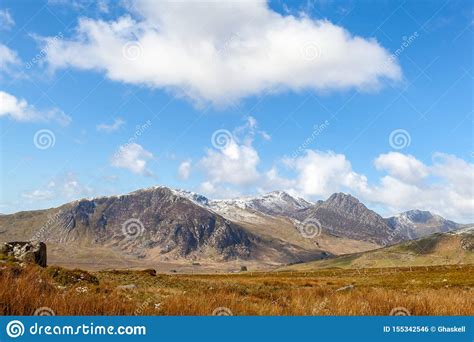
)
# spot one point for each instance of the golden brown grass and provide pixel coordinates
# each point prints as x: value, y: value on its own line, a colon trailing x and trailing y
x: 440, y: 290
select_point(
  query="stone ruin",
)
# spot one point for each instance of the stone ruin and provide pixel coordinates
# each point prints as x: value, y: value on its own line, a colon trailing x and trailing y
x: 25, y: 251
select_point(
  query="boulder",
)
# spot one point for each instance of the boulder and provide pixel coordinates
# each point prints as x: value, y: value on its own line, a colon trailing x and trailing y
x: 25, y: 251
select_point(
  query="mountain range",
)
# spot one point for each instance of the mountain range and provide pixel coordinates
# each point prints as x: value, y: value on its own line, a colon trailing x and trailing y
x: 160, y: 225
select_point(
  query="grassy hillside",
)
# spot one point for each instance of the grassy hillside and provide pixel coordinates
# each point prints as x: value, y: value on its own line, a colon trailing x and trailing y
x: 436, y: 249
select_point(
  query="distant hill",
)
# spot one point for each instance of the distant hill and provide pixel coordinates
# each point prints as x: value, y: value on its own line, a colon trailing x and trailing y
x: 455, y: 247
x: 417, y: 223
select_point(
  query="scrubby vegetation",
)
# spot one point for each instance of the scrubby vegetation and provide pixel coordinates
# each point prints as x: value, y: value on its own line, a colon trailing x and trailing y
x: 439, y: 290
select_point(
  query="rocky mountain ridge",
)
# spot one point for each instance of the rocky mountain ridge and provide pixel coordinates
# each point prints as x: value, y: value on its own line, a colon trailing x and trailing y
x: 159, y: 224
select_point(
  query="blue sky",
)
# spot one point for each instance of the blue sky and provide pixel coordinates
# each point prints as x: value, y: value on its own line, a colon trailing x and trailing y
x: 372, y: 98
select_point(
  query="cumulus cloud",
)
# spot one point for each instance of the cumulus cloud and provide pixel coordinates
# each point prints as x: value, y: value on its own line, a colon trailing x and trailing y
x: 20, y: 110
x: 132, y: 157
x: 109, y: 128
x: 184, y: 170
x: 220, y: 52
x: 321, y: 173
x: 402, y: 166
x: 65, y: 188
x: 6, y: 20
x: 234, y: 164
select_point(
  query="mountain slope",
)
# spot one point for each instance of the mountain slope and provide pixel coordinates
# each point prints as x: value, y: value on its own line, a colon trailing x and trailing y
x: 417, y: 223
x: 343, y: 215
x: 450, y: 248
x: 154, y: 224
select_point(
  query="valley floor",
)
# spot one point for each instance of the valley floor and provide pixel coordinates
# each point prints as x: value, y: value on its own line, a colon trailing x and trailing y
x: 434, y: 290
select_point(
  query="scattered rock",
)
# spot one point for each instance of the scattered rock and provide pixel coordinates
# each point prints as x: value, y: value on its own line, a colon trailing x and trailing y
x: 150, y: 272
x: 67, y: 277
x: 127, y: 287
x: 82, y: 289
x: 345, y: 288
x: 243, y: 268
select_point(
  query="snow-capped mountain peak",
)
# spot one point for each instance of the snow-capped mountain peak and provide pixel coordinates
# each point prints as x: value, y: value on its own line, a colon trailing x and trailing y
x: 272, y: 203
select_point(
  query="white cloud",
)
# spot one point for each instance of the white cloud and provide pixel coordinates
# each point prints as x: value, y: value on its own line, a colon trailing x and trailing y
x: 6, y: 20
x: 8, y: 59
x: 235, y: 164
x: 20, y: 110
x: 221, y: 52
x: 184, y: 170
x: 404, y: 167
x: 38, y: 195
x: 323, y: 173
x: 109, y: 128
x: 132, y: 157
x: 62, y: 188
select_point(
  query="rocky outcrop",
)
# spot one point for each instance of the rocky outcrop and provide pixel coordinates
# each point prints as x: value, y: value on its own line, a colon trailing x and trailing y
x: 157, y: 219
x: 344, y: 215
x: 29, y: 252
x: 414, y: 224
